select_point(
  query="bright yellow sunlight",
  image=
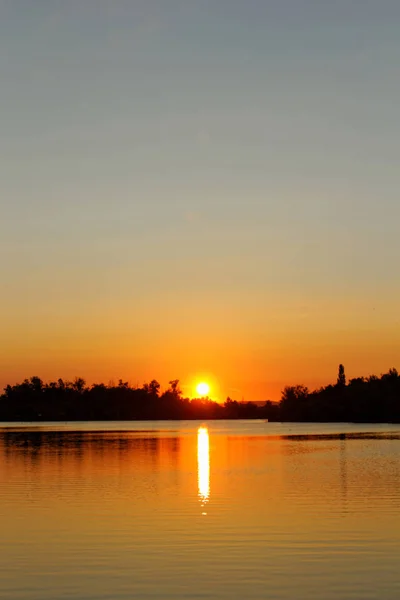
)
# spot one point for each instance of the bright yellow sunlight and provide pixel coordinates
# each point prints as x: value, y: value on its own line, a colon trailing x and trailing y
x: 203, y: 465
x: 203, y: 389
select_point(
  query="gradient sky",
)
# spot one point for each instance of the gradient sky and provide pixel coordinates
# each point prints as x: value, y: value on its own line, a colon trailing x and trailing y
x: 200, y: 188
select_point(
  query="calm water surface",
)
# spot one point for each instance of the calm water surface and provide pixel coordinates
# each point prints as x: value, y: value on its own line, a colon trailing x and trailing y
x: 217, y: 510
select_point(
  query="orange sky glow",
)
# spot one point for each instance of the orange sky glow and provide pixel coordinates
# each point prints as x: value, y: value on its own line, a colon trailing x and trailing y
x: 209, y: 197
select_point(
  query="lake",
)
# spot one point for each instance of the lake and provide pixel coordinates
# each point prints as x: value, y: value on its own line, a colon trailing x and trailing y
x: 190, y: 510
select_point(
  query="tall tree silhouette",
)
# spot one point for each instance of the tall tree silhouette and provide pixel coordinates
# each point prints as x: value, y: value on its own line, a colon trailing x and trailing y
x: 341, y: 379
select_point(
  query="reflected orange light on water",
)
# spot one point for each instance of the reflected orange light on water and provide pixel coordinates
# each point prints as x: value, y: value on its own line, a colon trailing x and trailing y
x: 203, y: 465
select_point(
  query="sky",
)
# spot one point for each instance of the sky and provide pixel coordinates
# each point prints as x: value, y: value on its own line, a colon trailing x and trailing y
x: 199, y: 189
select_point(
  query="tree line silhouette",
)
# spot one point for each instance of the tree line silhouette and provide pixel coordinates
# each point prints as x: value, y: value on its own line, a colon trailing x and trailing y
x: 363, y: 399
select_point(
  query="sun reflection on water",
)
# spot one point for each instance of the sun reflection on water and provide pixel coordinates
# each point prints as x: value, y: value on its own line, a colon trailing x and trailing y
x: 203, y: 465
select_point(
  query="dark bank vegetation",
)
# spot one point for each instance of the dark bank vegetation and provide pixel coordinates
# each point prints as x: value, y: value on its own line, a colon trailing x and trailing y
x: 363, y: 399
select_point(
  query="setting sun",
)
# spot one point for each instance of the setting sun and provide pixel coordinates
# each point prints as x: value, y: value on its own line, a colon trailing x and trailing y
x: 203, y: 389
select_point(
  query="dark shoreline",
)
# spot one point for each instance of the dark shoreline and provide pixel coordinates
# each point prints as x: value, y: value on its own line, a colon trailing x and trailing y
x: 361, y: 400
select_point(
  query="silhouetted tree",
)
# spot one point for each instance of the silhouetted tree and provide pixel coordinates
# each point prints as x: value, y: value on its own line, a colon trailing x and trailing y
x: 341, y: 379
x: 153, y: 388
x: 174, y: 388
x: 294, y: 403
x: 78, y: 385
x: 123, y: 384
x: 231, y: 408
